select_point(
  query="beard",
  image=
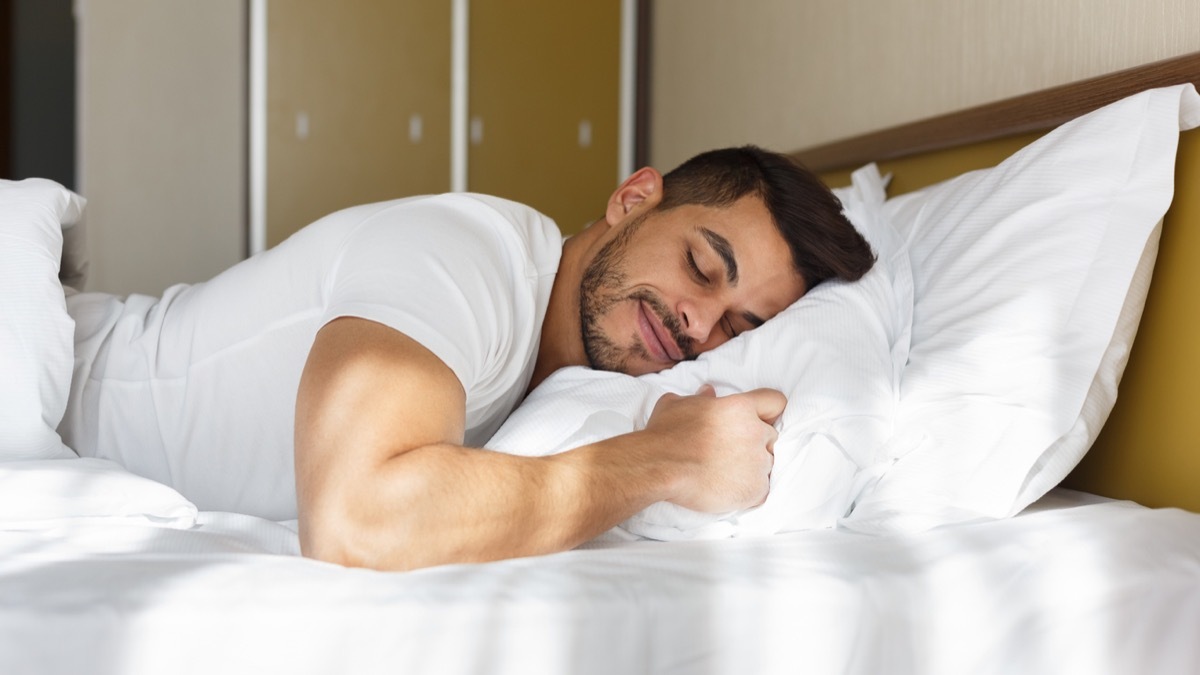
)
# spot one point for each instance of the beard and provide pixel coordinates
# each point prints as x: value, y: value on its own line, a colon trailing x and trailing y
x: 600, y: 291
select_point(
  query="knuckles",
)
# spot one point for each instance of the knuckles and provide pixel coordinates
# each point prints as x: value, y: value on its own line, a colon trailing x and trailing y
x: 724, y: 442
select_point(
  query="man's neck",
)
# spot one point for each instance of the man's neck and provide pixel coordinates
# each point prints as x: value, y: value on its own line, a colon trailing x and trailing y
x: 561, y: 342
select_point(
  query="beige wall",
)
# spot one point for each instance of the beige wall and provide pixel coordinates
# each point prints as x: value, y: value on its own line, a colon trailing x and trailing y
x: 162, y: 122
x: 788, y: 74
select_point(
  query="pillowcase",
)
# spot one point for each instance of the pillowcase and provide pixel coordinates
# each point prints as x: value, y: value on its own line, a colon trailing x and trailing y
x: 39, y: 494
x: 36, y: 334
x: 836, y: 353
x: 1024, y: 312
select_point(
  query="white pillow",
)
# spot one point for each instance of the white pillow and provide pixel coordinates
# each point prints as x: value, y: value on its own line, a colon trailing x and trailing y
x: 1021, y: 275
x: 836, y: 353
x: 38, y: 494
x: 36, y: 334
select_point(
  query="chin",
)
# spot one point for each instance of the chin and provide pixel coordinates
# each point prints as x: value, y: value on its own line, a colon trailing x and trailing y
x: 629, y: 357
x: 645, y: 368
x: 637, y: 362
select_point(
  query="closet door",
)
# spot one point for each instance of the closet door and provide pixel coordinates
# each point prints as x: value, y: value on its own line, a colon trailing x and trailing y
x: 358, y: 105
x: 544, y: 97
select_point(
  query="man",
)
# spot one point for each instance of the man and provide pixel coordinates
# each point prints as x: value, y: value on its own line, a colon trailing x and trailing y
x: 383, y: 341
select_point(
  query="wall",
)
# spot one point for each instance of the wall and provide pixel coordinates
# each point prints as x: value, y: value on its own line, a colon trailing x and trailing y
x: 788, y: 75
x: 161, y: 149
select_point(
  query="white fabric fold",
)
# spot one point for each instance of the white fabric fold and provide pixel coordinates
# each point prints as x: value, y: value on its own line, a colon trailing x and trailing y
x: 41, y: 494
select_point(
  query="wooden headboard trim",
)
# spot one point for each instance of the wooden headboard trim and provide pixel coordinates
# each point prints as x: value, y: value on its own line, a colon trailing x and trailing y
x: 1038, y: 111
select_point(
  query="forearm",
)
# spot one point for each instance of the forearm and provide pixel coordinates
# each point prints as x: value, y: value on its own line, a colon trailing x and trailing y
x: 444, y: 503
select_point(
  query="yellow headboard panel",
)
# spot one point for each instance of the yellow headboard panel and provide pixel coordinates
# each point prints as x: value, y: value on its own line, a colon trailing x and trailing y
x: 1149, y: 450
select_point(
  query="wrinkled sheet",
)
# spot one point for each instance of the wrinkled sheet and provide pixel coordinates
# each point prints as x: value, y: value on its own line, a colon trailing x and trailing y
x: 1074, y: 585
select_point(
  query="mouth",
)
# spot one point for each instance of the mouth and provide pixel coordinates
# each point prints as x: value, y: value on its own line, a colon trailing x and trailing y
x: 659, y: 343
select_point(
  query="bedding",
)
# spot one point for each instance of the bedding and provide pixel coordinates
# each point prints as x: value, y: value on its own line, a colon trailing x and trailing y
x: 1076, y: 584
x: 40, y: 494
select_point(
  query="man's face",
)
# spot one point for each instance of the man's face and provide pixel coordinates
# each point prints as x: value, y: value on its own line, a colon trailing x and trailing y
x: 670, y: 285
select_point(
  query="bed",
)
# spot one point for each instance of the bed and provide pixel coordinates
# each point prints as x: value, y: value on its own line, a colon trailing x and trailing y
x: 102, y: 572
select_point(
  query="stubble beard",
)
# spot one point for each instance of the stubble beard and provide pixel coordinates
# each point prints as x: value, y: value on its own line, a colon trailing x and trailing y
x: 598, y: 294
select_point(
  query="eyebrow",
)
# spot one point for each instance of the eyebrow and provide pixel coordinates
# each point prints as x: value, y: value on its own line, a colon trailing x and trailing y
x: 725, y: 252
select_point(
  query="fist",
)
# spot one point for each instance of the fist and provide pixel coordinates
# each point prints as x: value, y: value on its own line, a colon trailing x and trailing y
x: 719, y: 450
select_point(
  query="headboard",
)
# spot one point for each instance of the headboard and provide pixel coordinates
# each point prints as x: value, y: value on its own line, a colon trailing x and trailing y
x: 1149, y: 450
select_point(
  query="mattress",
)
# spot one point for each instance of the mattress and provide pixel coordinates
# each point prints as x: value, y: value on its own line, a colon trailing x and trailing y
x: 1075, y: 584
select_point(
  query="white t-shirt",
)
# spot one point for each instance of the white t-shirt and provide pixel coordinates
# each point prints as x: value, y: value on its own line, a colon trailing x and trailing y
x: 198, y: 389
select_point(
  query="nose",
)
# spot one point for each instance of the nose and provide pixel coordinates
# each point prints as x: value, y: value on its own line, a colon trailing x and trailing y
x: 699, y: 319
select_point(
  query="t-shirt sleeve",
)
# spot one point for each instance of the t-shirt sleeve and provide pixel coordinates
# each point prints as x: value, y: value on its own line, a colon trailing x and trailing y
x: 449, y: 273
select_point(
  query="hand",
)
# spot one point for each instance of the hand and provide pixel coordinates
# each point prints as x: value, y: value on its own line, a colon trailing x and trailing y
x: 722, y: 447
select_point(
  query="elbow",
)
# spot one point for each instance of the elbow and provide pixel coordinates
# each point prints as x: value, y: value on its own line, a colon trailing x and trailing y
x: 351, y: 545
x: 381, y: 520
x: 331, y: 540
x: 339, y: 526
x: 332, y: 532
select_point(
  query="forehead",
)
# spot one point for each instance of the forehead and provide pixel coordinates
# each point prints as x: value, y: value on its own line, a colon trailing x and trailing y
x: 766, y: 271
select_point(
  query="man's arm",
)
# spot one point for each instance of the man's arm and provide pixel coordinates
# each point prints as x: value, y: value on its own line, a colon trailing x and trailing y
x: 384, y: 482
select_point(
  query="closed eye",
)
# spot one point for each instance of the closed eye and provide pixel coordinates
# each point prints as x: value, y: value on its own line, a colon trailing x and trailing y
x: 728, y: 326
x: 694, y: 269
x: 750, y: 321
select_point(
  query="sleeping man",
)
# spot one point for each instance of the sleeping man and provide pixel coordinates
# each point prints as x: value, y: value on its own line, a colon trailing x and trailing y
x: 347, y: 376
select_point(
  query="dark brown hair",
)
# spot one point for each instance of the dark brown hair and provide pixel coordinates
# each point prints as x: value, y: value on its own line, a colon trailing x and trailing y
x: 823, y: 243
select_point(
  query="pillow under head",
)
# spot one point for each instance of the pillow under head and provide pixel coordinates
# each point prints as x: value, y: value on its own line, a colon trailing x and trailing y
x: 1021, y: 276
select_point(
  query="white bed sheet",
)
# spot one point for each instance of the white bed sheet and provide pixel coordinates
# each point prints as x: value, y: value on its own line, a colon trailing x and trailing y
x: 1074, y: 585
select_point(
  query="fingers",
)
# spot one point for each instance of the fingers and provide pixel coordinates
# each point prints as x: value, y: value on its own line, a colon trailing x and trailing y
x: 772, y: 436
x: 768, y: 403
x: 724, y: 446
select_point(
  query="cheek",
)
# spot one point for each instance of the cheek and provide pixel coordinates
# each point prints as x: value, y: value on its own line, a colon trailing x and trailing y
x: 618, y: 320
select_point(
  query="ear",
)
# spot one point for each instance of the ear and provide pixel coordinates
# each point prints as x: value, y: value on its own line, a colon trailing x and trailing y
x: 638, y: 193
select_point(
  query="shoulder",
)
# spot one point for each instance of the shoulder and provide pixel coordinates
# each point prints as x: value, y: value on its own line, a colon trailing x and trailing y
x: 462, y: 224
x: 537, y: 232
x: 483, y: 246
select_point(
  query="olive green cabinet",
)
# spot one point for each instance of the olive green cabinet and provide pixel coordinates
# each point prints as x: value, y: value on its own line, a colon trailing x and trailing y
x: 359, y: 97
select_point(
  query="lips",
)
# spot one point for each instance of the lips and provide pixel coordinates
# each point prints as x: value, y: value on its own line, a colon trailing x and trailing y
x: 657, y: 338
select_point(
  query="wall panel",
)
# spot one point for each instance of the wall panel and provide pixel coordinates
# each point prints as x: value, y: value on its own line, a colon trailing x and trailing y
x: 538, y: 70
x: 788, y: 74
x: 358, y: 106
x: 161, y: 148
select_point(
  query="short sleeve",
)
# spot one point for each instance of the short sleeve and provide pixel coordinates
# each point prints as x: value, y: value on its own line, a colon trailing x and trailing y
x: 448, y: 272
